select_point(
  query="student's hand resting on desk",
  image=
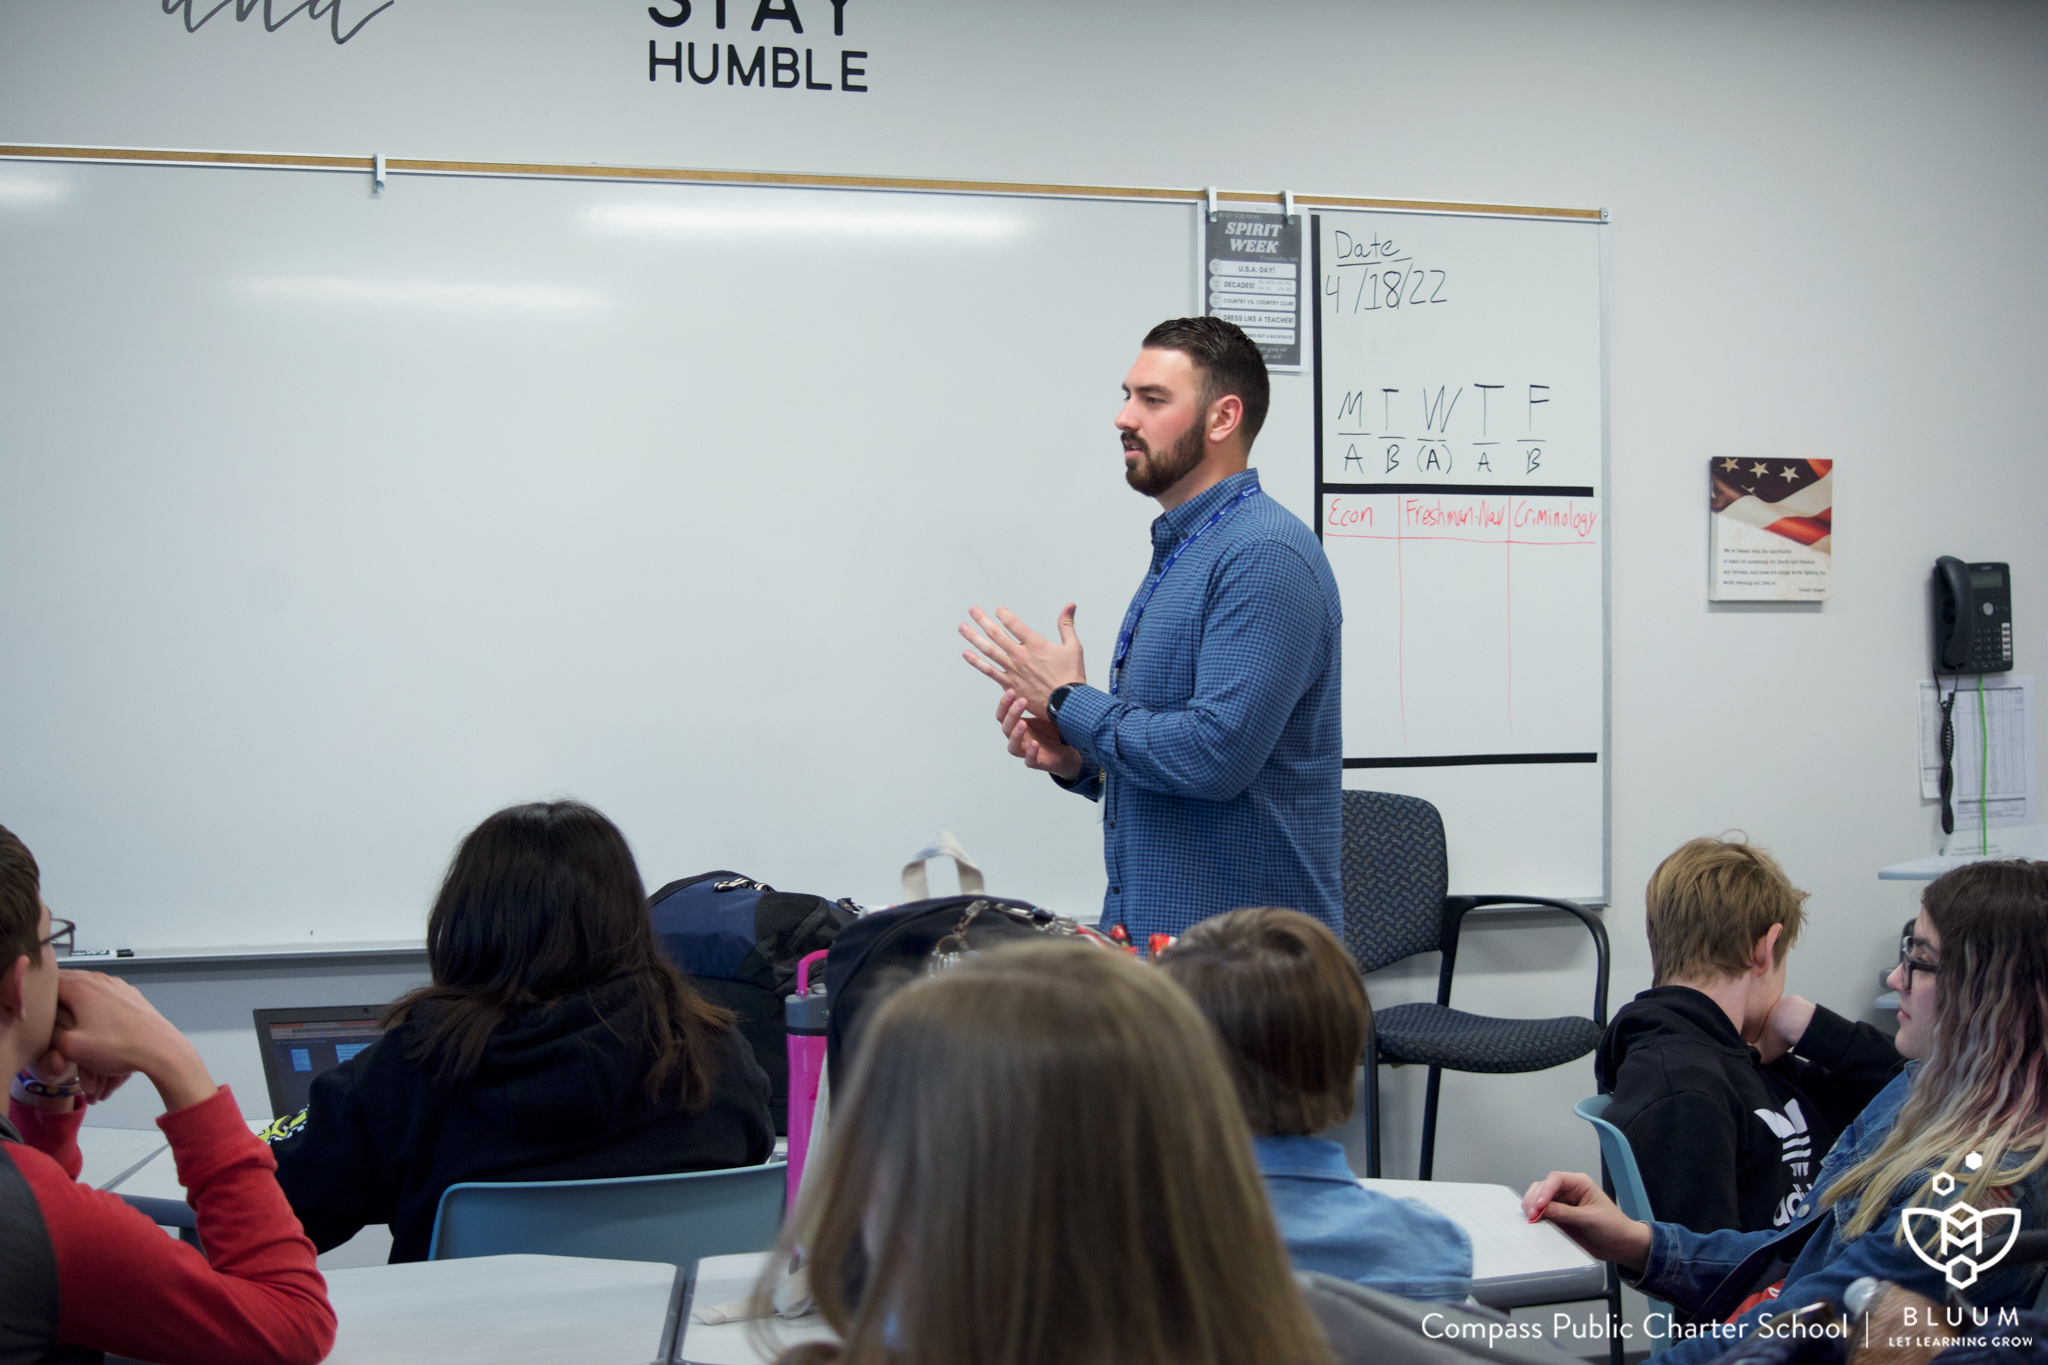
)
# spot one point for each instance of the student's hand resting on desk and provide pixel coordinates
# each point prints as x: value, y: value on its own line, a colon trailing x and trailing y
x: 1577, y: 1204
x: 1785, y: 1027
x: 1036, y: 740
x: 113, y: 1032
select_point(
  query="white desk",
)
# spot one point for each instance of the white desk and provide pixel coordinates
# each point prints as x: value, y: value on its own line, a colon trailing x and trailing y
x: 505, y: 1310
x: 720, y: 1279
x: 1515, y: 1263
x: 114, y: 1154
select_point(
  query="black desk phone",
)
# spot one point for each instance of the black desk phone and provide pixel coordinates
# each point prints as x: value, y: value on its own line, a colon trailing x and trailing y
x: 1972, y: 634
x: 1972, y: 617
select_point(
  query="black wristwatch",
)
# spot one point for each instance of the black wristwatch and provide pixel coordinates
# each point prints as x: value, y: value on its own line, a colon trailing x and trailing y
x: 1058, y: 698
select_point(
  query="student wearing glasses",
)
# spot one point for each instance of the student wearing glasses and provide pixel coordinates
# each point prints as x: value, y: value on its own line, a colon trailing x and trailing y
x: 1965, y: 1123
x: 80, y: 1271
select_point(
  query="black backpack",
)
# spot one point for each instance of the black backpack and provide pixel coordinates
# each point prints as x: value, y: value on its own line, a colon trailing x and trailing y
x: 739, y: 940
x: 884, y: 950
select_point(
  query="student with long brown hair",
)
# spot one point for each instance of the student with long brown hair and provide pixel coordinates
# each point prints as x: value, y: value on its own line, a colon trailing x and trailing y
x: 555, y: 1042
x: 1040, y: 1160
x: 1967, y: 1122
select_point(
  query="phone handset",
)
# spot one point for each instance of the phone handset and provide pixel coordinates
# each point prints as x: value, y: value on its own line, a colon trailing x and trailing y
x: 1957, y: 620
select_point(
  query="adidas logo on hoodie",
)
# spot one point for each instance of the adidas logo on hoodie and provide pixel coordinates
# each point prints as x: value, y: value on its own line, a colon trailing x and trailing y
x: 1796, y: 1152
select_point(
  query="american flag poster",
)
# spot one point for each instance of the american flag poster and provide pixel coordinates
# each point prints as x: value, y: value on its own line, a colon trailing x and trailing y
x: 1772, y: 531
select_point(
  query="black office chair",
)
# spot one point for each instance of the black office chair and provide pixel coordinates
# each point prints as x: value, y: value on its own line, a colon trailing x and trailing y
x: 1396, y: 879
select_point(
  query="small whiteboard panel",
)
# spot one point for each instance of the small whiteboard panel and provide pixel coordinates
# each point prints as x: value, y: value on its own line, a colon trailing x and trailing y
x: 1460, y: 479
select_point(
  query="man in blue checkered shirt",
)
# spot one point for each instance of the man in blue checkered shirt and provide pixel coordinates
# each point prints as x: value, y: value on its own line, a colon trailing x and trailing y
x: 1214, y: 749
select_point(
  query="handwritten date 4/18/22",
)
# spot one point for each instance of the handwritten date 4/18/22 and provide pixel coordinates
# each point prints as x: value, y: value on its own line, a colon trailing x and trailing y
x: 1375, y: 274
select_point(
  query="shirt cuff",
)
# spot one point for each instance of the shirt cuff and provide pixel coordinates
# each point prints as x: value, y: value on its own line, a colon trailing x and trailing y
x: 1082, y: 714
x: 1087, y: 782
x: 1657, y: 1268
x: 51, y: 1134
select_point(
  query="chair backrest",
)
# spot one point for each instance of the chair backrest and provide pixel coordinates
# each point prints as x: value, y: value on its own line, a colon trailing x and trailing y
x: 675, y: 1219
x: 1621, y: 1159
x: 1628, y: 1191
x: 1396, y: 874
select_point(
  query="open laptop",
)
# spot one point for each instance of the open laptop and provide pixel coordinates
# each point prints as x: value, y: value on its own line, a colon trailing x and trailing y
x: 299, y: 1044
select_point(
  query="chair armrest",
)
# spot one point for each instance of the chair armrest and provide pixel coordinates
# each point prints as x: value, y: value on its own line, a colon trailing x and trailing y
x: 1456, y: 908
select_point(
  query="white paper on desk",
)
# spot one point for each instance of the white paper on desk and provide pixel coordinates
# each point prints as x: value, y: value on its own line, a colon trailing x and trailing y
x: 1504, y: 1243
x: 2004, y: 722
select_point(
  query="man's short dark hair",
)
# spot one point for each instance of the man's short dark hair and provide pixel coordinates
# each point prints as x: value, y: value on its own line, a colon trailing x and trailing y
x: 1288, y: 1005
x: 1228, y: 360
x: 21, y: 901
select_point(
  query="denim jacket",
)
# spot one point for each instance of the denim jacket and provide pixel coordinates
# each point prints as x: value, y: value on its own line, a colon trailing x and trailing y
x: 1335, y: 1225
x: 1685, y: 1267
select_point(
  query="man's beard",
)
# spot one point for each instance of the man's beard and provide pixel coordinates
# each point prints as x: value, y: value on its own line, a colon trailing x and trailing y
x: 1153, y: 473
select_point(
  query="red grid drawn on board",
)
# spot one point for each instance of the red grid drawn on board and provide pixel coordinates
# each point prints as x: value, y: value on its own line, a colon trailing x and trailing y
x: 1544, y: 522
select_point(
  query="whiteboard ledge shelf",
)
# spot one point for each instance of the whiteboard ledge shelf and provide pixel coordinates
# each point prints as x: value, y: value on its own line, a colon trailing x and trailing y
x: 381, y: 167
x: 377, y: 949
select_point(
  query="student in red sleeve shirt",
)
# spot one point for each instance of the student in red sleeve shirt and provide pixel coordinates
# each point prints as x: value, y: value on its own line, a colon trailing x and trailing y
x: 82, y: 1272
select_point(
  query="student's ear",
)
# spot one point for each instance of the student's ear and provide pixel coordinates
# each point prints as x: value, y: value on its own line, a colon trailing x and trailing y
x: 14, y: 990
x: 1764, y: 956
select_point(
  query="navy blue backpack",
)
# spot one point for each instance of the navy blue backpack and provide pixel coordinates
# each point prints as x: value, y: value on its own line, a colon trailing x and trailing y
x: 739, y: 941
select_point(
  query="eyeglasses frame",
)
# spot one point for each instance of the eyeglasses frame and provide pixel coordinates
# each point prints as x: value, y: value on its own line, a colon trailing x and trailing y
x: 68, y: 934
x: 1906, y: 943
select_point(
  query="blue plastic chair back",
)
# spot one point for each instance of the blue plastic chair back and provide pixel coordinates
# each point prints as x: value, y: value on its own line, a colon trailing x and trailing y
x: 1628, y: 1185
x: 1621, y: 1159
x: 674, y: 1219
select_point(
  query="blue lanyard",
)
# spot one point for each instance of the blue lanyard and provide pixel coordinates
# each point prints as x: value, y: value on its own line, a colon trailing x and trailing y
x: 1123, y: 641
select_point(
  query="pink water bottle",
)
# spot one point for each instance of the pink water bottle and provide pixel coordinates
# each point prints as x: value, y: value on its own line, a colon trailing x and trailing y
x: 804, y: 1013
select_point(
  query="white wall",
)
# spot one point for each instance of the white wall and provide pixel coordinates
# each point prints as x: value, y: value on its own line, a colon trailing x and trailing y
x: 1825, y: 243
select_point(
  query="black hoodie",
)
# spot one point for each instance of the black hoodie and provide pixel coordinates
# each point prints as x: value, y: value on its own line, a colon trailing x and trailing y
x: 1722, y: 1140
x: 558, y: 1096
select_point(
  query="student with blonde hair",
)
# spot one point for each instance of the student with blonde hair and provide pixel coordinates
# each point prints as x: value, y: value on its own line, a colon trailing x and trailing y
x: 1039, y: 1160
x: 1967, y: 1123
x: 1729, y: 1090
x: 1291, y: 1012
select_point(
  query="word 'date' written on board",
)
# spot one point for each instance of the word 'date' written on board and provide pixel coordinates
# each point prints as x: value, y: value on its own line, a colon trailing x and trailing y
x: 1440, y: 360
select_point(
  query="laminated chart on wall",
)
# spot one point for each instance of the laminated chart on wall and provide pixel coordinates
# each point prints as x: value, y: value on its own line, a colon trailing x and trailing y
x: 1459, y: 469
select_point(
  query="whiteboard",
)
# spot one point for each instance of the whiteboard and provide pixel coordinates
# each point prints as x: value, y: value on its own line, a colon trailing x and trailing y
x: 335, y: 521
x: 1460, y: 437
